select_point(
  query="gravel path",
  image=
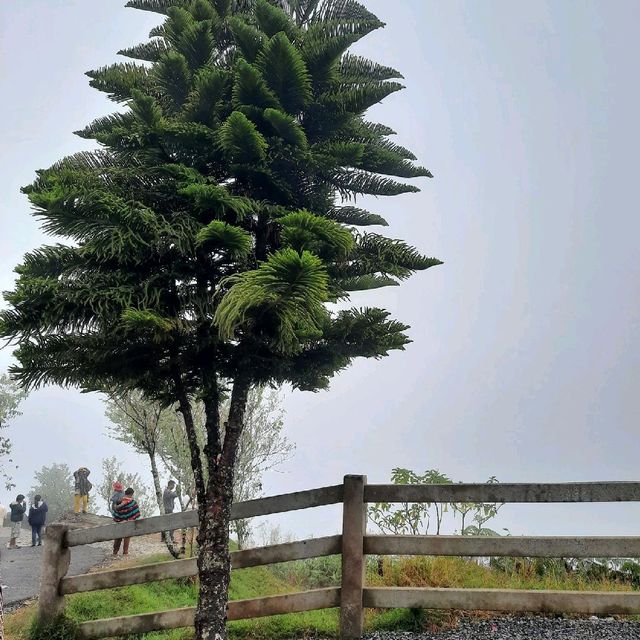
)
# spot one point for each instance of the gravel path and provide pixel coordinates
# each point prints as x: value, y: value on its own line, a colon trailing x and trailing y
x: 20, y: 568
x: 530, y: 628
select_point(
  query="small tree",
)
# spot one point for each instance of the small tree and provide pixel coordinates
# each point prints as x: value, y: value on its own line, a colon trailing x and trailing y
x: 137, y: 421
x: 414, y: 518
x: 55, y: 484
x: 112, y: 472
x: 11, y: 395
x: 262, y: 448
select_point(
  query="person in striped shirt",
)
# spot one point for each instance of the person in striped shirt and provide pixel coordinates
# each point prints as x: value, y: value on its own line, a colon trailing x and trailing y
x: 127, y: 509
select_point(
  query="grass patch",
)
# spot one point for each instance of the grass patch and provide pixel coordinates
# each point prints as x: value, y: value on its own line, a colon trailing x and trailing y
x: 311, y: 574
x: 453, y: 572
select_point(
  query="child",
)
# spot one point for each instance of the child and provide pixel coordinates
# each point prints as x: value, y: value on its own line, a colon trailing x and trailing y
x: 37, y: 517
x: 127, y: 509
x: 18, y: 509
x: 116, y: 498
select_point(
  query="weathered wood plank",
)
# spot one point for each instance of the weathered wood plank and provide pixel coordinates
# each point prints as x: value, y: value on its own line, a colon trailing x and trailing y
x: 504, y: 492
x: 134, y: 575
x: 288, y: 603
x: 354, y: 518
x: 187, y: 519
x: 301, y: 550
x: 55, y: 564
x: 125, y: 625
x: 535, y: 547
x: 288, y: 502
x: 585, y: 602
x: 238, y: 610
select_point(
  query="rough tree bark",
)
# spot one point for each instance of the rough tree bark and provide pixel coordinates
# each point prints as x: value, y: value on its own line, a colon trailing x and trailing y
x: 214, y: 560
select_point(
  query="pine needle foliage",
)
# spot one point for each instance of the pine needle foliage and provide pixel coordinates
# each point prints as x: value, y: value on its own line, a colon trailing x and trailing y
x: 213, y: 202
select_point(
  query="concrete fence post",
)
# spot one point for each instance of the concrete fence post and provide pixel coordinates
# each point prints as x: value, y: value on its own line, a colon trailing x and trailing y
x: 353, y: 559
x: 55, y: 564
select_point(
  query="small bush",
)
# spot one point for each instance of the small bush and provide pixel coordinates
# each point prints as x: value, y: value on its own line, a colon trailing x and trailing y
x: 60, y: 629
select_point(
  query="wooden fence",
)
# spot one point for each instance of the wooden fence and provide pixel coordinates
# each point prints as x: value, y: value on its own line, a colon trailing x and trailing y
x: 353, y: 596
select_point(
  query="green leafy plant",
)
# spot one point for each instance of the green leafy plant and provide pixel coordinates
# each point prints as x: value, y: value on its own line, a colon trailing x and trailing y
x: 416, y: 518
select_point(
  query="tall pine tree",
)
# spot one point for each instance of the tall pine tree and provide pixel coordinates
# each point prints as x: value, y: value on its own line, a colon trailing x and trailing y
x: 205, y: 238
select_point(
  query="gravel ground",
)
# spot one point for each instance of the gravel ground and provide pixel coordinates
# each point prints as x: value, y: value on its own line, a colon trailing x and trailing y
x: 530, y: 628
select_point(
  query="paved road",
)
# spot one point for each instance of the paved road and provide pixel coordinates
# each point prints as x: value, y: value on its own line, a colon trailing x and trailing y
x: 20, y: 568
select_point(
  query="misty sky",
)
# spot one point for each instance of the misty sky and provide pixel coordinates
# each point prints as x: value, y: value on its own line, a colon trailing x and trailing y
x: 524, y: 363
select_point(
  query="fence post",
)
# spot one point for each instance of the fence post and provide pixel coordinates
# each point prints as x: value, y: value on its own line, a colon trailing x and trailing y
x: 55, y: 564
x: 353, y: 562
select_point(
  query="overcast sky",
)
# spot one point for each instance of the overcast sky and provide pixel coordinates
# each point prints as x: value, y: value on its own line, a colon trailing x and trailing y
x: 524, y: 363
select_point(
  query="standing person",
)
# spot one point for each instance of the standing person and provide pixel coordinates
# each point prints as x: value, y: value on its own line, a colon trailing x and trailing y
x: 18, y: 509
x: 36, y: 518
x: 169, y: 499
x: 127, y: 509
x: 116, y: 498
x: 82, y: 488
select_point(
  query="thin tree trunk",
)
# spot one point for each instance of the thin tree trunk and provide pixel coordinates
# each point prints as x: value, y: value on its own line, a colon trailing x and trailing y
x: 156, y: 482
x: 214, y: 560
x: 184, y: 406
x: 166, y: 538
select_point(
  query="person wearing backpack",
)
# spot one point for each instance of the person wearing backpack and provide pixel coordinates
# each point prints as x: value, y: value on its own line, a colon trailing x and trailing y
x: 127, y: 509
x: 36, y: 518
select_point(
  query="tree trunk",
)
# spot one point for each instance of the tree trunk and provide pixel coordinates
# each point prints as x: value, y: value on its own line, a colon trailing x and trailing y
x: 166, y: 538
x: 214, y: 560
x: 156, y: 482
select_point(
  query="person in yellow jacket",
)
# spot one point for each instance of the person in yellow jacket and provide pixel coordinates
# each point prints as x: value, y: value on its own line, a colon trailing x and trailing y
x: 82, y: 488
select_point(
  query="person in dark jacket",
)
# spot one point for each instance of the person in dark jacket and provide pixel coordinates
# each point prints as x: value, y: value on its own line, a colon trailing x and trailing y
x: 18, y: 509
x: 82, y: 488
x: 127, y: 509
x: 36, y: 518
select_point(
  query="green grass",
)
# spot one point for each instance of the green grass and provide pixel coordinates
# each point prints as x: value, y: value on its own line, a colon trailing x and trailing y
x: 297, y: 576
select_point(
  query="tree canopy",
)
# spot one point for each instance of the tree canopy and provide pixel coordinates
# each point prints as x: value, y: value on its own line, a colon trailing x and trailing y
x: 216, y: 221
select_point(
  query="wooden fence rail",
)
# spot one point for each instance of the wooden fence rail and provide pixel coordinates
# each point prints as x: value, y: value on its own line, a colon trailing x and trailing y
x: 353, y: 596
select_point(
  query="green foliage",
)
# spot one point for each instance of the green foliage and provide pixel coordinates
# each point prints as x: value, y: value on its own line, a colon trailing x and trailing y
x: 443, y: 572
x: 248, y: 39
x: 173, y: 77
x: 119, y: 80
x: 232, y: 241
x: 63, y: 628
x: 304, y: 231
x: 289, y: 289
x: 251, y: 89
x: 241, y: 141
x: 416, y: 518
x: 213, y: 204
x: 11, y: 395
x: 150, y: 51
x: 286, y: 127
x: 55, y: 484
x: 284, y: 70
x: 273, y: 20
